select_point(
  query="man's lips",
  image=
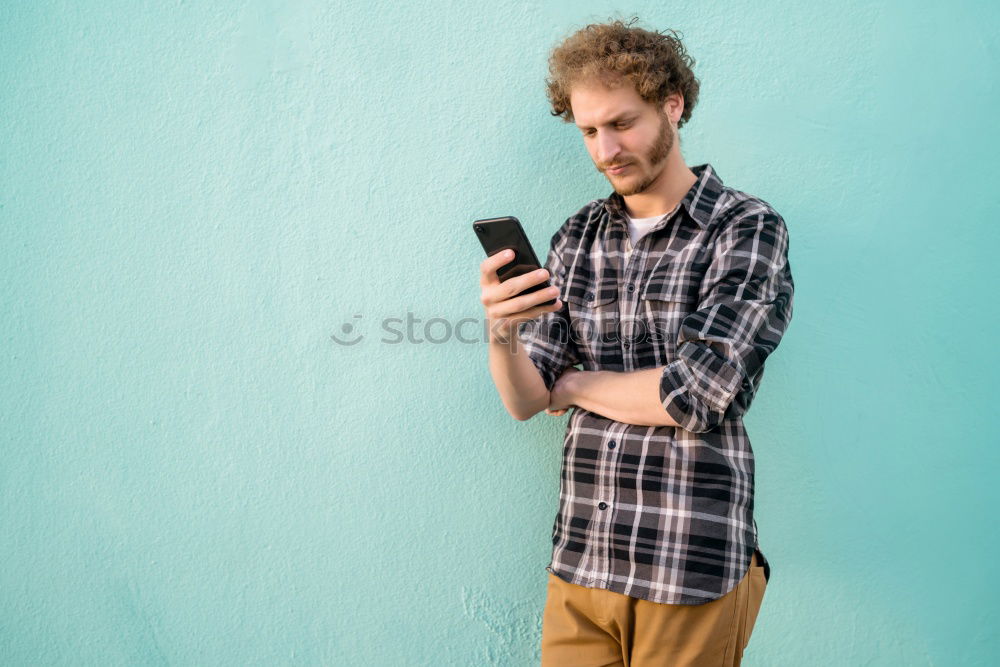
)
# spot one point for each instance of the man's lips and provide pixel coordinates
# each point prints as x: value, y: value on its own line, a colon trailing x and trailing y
x: 617, y: 169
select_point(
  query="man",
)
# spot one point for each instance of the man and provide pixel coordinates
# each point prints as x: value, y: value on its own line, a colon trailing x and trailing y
x: 671, y: 291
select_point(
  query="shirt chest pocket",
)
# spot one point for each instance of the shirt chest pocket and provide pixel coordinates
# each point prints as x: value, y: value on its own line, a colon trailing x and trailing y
x: 664, y: 302
x: 593, y: 311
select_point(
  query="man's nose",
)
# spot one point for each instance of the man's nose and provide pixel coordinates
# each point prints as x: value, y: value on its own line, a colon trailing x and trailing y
x: 607, y: 148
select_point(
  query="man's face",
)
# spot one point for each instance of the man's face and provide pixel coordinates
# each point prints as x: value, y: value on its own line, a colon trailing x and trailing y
x: 620, y: 128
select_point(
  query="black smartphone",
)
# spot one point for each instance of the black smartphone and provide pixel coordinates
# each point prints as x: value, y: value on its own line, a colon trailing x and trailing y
x: 498, y: 234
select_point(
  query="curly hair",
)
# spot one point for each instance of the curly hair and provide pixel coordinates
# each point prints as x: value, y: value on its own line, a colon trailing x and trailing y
x: 615, y: 53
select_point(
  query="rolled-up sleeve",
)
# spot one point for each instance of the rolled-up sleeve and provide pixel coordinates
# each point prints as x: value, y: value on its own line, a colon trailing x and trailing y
x: 547, y: 339
x: 745, y: 306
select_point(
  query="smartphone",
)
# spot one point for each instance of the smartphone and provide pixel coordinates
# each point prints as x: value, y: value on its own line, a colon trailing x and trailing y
x: 496, y: 234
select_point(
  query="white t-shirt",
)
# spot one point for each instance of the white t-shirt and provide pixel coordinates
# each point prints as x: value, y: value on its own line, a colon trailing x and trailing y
x: 639, y: 227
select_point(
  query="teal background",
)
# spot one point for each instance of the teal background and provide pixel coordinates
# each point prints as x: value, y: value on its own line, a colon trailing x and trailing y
x: 196, y: 196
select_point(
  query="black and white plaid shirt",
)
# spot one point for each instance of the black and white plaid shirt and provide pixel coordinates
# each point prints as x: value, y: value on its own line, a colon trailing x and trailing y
x: 664, y: 513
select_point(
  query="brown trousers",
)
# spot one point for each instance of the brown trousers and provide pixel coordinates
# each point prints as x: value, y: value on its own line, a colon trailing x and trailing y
x: 594, y: 627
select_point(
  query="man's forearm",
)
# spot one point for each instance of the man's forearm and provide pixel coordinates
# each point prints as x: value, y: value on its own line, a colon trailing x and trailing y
x: 520, y: 384
x: 631, y: 397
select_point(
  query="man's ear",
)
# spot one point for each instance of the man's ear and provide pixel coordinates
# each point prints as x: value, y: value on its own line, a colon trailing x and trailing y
x: 674, y: 106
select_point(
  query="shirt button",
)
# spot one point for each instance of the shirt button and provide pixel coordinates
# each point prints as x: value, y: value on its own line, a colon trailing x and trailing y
x: 631, y: 287
x: 590, y: 296
x: 625, y: 344
x: 611, y: 445
x: 602, y: 506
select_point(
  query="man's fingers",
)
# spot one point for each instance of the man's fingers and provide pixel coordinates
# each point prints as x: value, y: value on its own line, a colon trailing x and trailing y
x: 488, y: 267
x: 527, y: 306
x: 507, y: 296
x: 518, y: 284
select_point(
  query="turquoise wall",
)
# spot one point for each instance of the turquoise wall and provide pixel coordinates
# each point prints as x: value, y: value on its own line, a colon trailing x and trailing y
x: 195, y: 198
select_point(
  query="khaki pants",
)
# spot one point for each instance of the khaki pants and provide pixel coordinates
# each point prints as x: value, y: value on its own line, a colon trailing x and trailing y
x: 594, y: 627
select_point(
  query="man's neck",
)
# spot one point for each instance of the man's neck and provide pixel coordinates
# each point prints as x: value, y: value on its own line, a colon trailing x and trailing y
x: 665, y: 192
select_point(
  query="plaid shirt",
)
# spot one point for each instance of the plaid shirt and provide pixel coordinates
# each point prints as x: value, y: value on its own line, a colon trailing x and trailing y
x: 664, y: 513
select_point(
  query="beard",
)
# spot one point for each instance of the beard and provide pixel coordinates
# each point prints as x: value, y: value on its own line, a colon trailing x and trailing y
x: 656, y: 154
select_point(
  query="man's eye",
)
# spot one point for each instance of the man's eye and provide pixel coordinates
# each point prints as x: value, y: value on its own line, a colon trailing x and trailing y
x: 620, y: 126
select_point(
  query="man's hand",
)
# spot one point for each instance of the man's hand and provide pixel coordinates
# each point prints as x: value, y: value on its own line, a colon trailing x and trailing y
x: 505, y: 306
x: 562, y: 396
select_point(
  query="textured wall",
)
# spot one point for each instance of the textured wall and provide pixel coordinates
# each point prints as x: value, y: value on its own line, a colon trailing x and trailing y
x: 194, y: 198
